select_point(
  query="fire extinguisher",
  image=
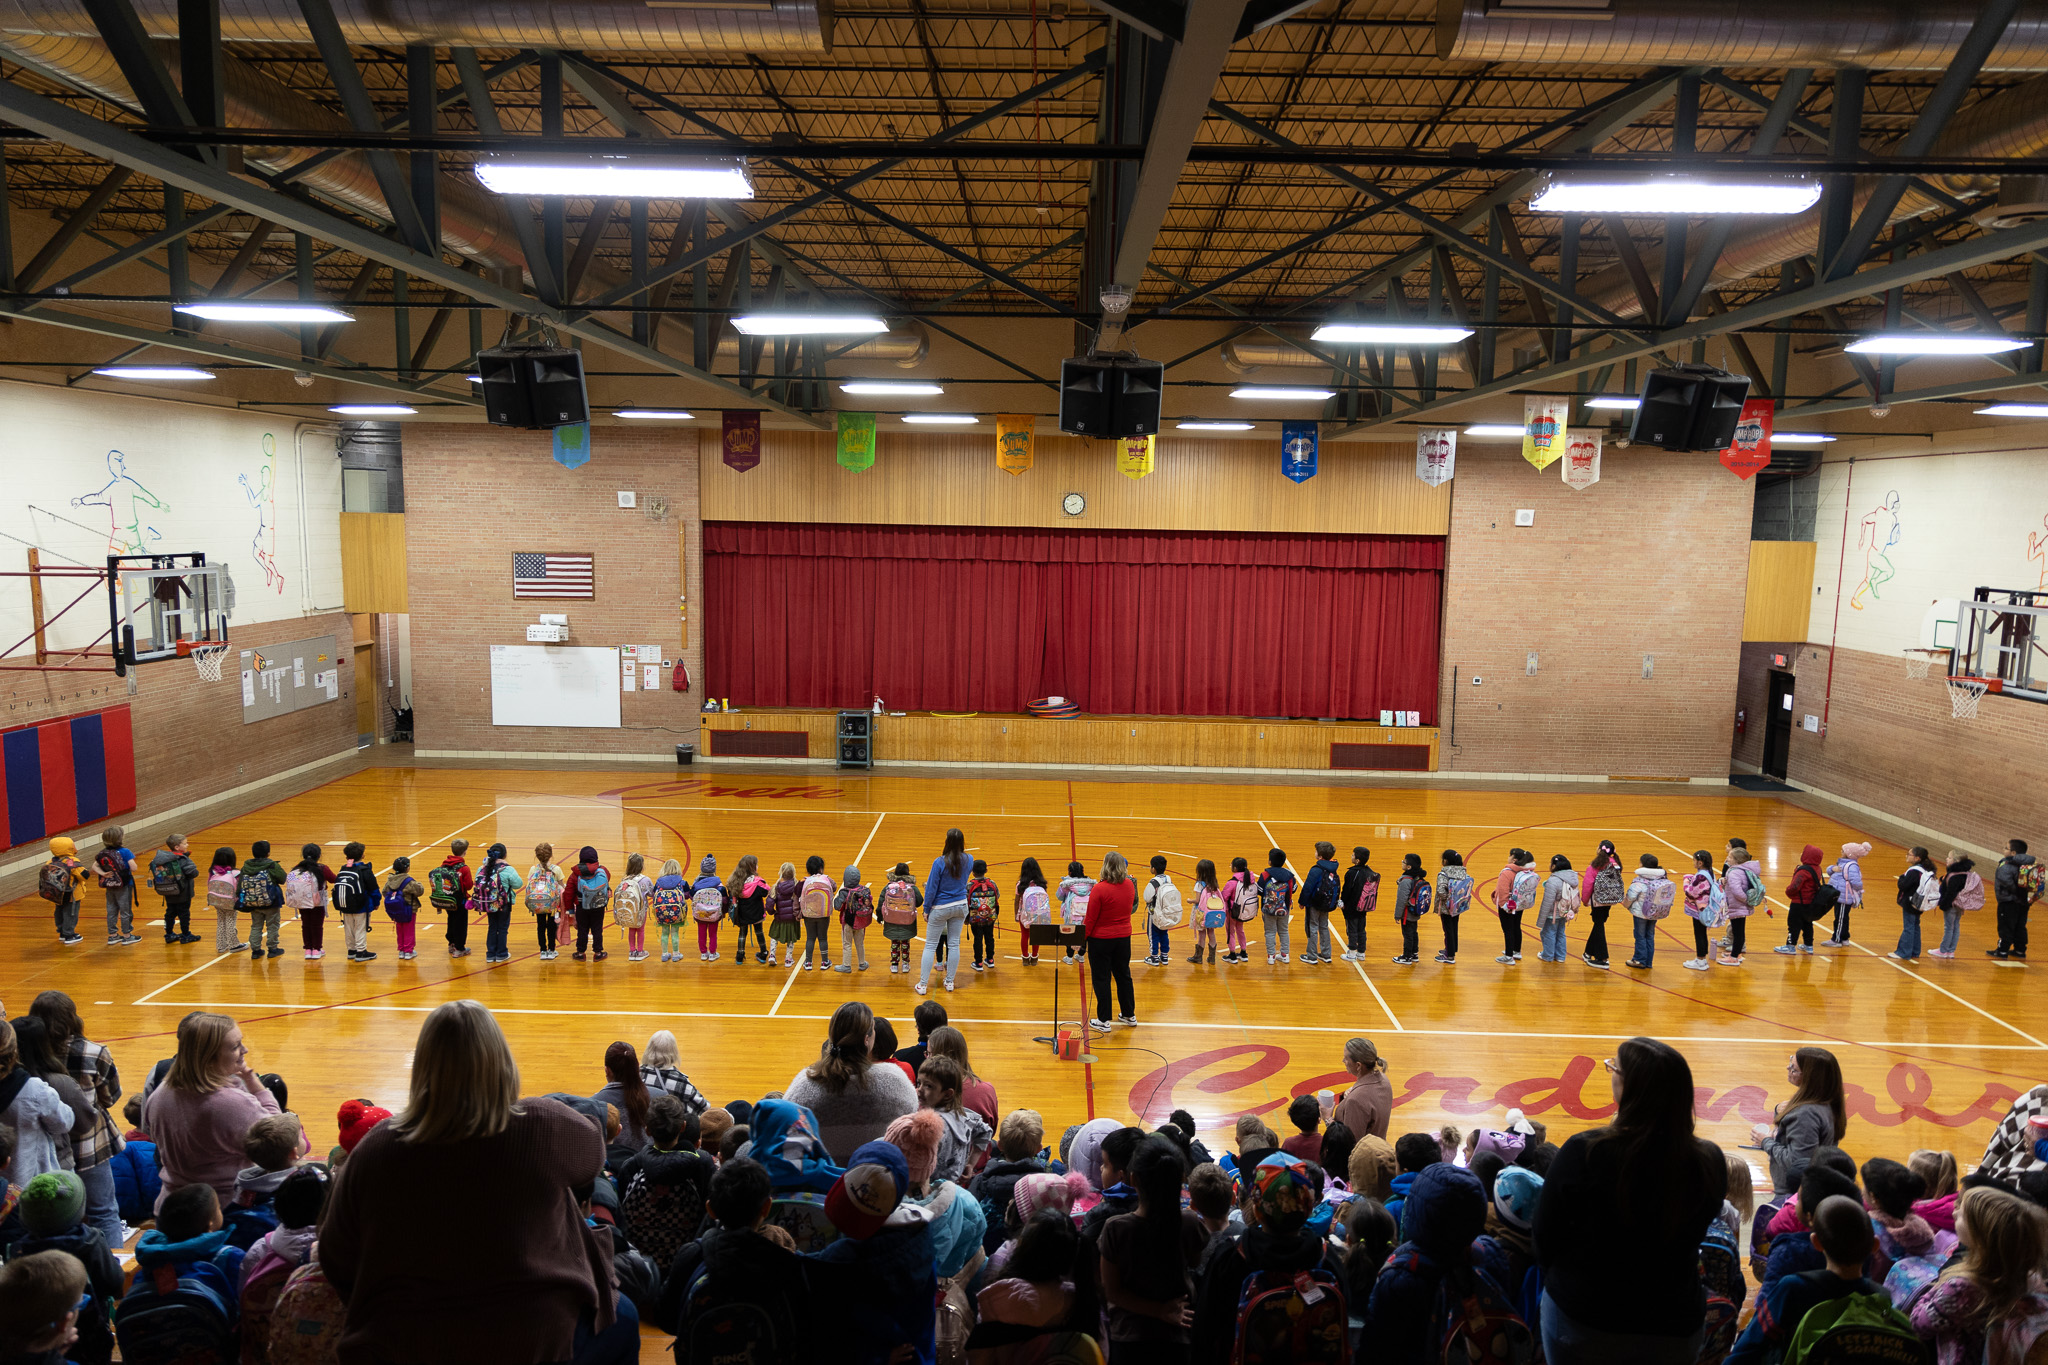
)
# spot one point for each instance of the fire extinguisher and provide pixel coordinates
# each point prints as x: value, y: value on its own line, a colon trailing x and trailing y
x: 1741, y: 720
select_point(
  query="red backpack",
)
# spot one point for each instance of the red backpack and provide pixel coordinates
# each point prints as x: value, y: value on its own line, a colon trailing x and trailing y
x: 1291, y: 1317
x: 53, y: 883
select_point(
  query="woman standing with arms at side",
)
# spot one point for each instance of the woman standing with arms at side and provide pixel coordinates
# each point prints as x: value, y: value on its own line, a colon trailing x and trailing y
x: 1815, y: 1116
x: 945, y: 899
x: 1108, y: 927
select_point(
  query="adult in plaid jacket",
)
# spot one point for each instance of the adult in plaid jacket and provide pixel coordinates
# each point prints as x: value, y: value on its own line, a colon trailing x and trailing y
x: 92, y: 1066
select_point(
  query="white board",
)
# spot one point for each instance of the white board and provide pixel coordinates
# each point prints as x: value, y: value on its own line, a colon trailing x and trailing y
x: 555, y: 685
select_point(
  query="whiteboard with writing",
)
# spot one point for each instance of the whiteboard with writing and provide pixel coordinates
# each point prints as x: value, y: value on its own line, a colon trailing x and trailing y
x: 555, y: 685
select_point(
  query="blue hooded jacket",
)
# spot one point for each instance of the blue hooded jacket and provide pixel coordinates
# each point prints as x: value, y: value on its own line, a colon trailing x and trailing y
x: 207, y: 1258
x: 1397, y: 1198
x: 785, y: 1139
x: 1446, y: 1210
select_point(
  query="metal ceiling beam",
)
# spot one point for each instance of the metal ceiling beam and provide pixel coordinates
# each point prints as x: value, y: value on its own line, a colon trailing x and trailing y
x: 122, y: 31
x: 1963, y: 388
x: 362, y: 116
x: 69, y: 230
x: 1679, y: 303
x: 485, y: 110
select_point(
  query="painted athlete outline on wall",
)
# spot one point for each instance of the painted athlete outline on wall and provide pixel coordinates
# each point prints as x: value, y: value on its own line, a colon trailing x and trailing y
x: 262, y: 495
x: 134, y: 536
x: 1877, y: 564
x: 2037, y: 550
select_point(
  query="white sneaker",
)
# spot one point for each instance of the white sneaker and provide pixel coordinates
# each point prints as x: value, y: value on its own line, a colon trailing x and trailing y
x: 1270, y: 959
x: 1128, y: 1020
x: 1695, y: 964
x: 1099, y: 1025
x: 919, y: 988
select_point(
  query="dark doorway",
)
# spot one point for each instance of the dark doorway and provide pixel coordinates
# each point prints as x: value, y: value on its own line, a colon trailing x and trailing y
x: 1778, y: 724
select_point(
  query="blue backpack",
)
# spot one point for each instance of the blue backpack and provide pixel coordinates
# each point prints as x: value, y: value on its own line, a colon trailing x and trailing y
x: 249, y: 1225
x: 173, y: 1319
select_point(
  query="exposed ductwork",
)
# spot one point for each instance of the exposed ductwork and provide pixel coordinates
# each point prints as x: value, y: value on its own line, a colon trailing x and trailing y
x: 1242, y: 355
x: 1885, y: 35
x: 905, y: 349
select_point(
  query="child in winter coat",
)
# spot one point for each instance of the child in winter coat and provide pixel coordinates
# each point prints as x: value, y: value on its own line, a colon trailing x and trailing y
x: 223, y: 884
x: 448, y: 888
x: 1073, y: 895
x: 1239, y: 894
x: 1444, y: 1212
x: 189, y: 1241
x: 1321, y: 892
x: 2005, y: 1239
x: 1961, y: 889
x: 493, y: 894
x: 1033, y: 905
x: 544, y: 898
x: 1601, y: 889
x: 1276, y: 903
x: 300, y: 1200
x: 402, y: 893
x: 1361, y: 893
x: 587, y: 887
x: 1706, y: 905
x: 629, y: 906
x: 669, y: 903
x: 1453, y: 899
x: 64, y: 873
x: 1649, y: 900
x: 967, y: 1135
x: 172, y: 873
x: 1514, y: 892
x: 1560, y: 903
x: 1159, y: 946
x: 855, y: 906
x: 747, y: 894
x: 1411, y: 903
x: 815, y: 903
x: 1920, y: 875
x: 1207, y: 910
x: 786, y: 929
x: 899, y: 895
x: 316, y: 878
x: 1799, y: 894
x: 708, y: 905
x: 1740, y: 875
x: 264, y: 914
x: 1846, y: 877
x: 355, y: 896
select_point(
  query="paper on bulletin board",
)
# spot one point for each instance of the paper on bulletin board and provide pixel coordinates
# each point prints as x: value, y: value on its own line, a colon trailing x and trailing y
x: 298, y: 670
x: 626, y: 678
x: 248, y: 687
x: 650, y: 677
x: 650, y: 654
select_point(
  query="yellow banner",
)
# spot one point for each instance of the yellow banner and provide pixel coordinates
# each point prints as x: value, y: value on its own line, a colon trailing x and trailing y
x: 1543, y: 429
x: 1134, y: 456
x: 1013, y: 442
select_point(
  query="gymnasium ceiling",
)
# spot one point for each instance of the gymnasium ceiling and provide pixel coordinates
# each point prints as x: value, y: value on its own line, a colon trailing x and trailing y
x: 977, y: 171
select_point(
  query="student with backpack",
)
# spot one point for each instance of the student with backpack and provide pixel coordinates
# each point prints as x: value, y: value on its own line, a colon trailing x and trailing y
x: 185, y: 1301
x: 630, y: 906
x: 2018, y: 882
x: 402, y: 893
x: 1276, y: 903
x: 1515, y: 891
x: 1411, y: 903
x: 223, y: 894
x: 984, y: 904
x: 1600, y: 890
x: 2004, y: 1241
x: 1453, y: 899
x: 1255, y: 1288
x: 897, y: 908
x: 708, y: 905
x: 1162, y: 913
x: 299, y: 1202
x: 51, y: 1214
x: 785, y: 927
x: 1431, y: 1301
x: 589, y: 889
x: 1146, y: 1262
x: 114, y: 868
x: 305, y: 891
x: 1033, y: 907
x: 1319, y: 896
x: 733, y: 1293
x: 492, y: 894
x: 260, y: 895
x: 1241, y: 897
x: 172, y: 875
x: 854, y: 904
x: 448, y: 888
x: 664, y: 1187
x: 1706, y: 905
x: 814, y: 906
x: 1846, y: 877
x: 355, y: 895
x: 544, y: 894
x: 1807, y: 897
x: 1742, y: 882
x: 1961, y: 889
x: 58, y: 883
x: 1841, y: 1232
x: 1074, y: 890
x: 1650, y: 896
x: 747, y: 894
x: 669, y: 905
x: 1210, y: 911
x: 1361, y: 894
x: 1560, y: 905
x: 1920, y: 870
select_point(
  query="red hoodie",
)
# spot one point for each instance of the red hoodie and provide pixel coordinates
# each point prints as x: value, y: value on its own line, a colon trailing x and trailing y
x: 468, y: 878
x: 1805, y: 878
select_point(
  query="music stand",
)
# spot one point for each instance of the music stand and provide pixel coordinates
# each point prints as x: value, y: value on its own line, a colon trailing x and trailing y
x: 1056, y: 936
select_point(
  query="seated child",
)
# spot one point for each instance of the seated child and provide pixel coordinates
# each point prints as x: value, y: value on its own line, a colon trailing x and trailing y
x: 734, y: 1261
x: 52, y: 1212
x: 1842, y: 1236
x: 2005, y: 1239
x: 1793, y: 1251
x: 1306, y: 1115
x: 1413, y: 1154
x: 300, y: 1200
x: 1890, y: 1191
x: 40, y: 1300
x: 1037, y: 1288
x: 966, y: 1135
x: 189, y: 1241
x: 273, y: 1145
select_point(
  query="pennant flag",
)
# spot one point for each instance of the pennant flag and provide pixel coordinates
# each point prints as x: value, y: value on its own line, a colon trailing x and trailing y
x: 1298, y: 450
x: 572, y: 445
x: 1013, y: 442
x: 1543, y: 430
x: 1582, y: 458
x: 1134, y: 456
x: 856, y: 440
x: 1436, y: 455
x: 1751, y: 448
x: 742, y: 440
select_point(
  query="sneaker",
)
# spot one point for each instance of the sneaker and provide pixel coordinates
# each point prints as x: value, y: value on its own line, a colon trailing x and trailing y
x: 1099, y: 1025
x: 255, y: 954
x: 577, y: 956
x: 1785, y: 949
x: 309, y: 954
x: 1270, y: 959
x: 949, y: 983
x: 1517, y: 957
x: 1506, y: 959
x: 365, y: 955
x: 1638, y: 966
x: 113, y: 940
x: 2019, y: 955
x: 1936, y: 952
x: 863, y: 966
x: 188, y: 938
x: 919, y: 988
x: 761, y: 957
x: 1447, y: 958
x: 73, y: 940
x: 407, y: 957
x: 846, y: 969
x: 1806, y: 947
x: 276, y: 952
x: 1997, y: 952
x: 1695, y: 964
x: 128, y: 940
x: 1900, y: 957
x: 599, y: 956
x: 1310, y: 958
x: 1591, y: 961
x: 1727, y: 961
x: 1128, y: 1020
x: 458, y: 952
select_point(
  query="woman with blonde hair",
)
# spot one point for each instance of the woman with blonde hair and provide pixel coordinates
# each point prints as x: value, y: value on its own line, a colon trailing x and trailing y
x: 1368, y: 1106
x: 200, y: 1114
x: 661, y: 1070
x: 1108, y: 928
x: 533, y: 1282
x: 2005, y: 1239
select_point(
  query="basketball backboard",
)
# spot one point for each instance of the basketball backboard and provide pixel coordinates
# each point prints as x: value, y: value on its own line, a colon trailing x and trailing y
x: 159, y: 606
x: 2002, y: 640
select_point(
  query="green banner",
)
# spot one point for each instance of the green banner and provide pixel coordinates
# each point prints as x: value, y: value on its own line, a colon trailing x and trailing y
x: 856, y: 440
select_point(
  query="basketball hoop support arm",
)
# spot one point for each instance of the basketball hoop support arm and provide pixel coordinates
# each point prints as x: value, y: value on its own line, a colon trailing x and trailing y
x: 1841, y: 562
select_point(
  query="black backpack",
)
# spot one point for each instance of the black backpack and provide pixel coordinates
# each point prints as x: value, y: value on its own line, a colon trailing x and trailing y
x: 1825, y: 899
x: 168, y: 1318
x: 659, y: 1216
x: 354, y: 890
x: 755, y: 1327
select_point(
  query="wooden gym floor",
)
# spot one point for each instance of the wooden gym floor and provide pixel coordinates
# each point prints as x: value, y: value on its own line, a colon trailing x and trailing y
x: 1934, y: 1053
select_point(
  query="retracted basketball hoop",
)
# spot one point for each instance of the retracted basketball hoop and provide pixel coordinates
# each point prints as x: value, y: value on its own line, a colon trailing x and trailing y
x: 1919, y: 662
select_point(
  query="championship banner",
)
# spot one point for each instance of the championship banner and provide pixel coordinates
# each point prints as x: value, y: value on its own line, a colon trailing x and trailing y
x: 1134, y: 456
x: 742, y: 440
x: 1751, y: 448
x: 572, y: 445
x: 1013, y: 442
x: 1543, y: 429
x: 1582, y: 458
x: 856, y: 440
x: 1298, y: 450
x: 1436, y: 455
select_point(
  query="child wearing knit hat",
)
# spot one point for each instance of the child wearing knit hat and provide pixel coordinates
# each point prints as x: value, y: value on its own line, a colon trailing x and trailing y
x: 1509, y: 1254
x: 356, y: 1119
x: 956, y: 1216
x: 52, y: 1213
x: 1846, y: 877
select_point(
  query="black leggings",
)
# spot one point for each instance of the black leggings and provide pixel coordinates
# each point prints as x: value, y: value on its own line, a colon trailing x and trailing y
x: 1410, y: 943
x: 1511, y: 930
x: 1354, y: 931
x: 590, y: 930
x: 760, y: 939
x: 1596, y: 940
x: 1450, y: 934
x: 178, y: 916
x: 1738, y: 935
x: 544, y: 926
x: 984, y: 942
x: 1699, y: 940
x: 1799, y: 925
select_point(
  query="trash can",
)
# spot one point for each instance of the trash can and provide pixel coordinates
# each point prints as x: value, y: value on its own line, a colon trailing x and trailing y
x: 685, y: 754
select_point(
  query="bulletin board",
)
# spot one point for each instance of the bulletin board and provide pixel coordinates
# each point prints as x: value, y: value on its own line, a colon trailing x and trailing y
x: 290, y: 676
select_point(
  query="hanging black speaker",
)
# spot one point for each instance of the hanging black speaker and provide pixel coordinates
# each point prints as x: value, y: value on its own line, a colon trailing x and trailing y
x: 1110, y: 396
x: 534, y: 387
x: 1689, y: 407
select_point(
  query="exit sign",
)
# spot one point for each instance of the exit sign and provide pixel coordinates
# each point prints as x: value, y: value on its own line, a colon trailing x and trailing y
x: 1777, y: 661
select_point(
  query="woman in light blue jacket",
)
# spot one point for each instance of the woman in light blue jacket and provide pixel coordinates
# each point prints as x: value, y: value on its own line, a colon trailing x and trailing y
x: 945, y: 899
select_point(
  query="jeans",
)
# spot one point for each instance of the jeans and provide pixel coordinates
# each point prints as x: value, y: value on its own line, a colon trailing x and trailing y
x: 1109, y: 960
x: 1450, y: 923
x: 984, y: 936
x: 1646, y: 939
x: 497, y: 928
x: 1276, y: 932
x: 853, y: 944
x: 66, y: 916
x: 1553, y: 938
x: 1596, y: 938
x: 815, y: 931
x: 120, y: 911
x: 618, y: 1344
x: 102, y: 1209
x: 1951, y: 929
x: 1909, y: 936
x: 1317, y: 931
x: 263, y: 922
x: 2012, y: 926
x: 1354, y: 932
x: 1569, y: 1342
x: 1511, y: 932
x: 943, y: 928
x: 177, y: 916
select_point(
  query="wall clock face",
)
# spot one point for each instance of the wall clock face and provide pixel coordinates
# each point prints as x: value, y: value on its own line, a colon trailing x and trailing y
x: 1074, y: 504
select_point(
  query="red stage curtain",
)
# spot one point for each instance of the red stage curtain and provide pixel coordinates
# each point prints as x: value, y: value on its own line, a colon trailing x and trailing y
x: 1123, y: 622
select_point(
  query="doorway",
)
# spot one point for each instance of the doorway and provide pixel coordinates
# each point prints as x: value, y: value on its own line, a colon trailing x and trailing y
x: 1778, y: 724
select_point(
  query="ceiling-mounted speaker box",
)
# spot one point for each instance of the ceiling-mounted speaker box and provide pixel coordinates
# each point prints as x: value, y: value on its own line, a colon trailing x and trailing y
x: 1689, y: 407
x: 1110, y: 396
x: 534, y: 387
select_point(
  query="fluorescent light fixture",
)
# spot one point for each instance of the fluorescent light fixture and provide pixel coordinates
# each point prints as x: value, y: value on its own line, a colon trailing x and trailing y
x: 1257, y: 391
x: 1214, y: 426
x: 1675, y: 194
x: 474, y: 378
x: 942, y: 419
x: 154, y: 372
x: 1389, y: 334
x: 808, y: 325
x: 1501, y: 429
x: 604, y: 176
x: 2014, y: 410
x: 906, y: 388
x: 1614, y: 401
x: 373, y: 409
x: 1800, y: 438
x: 1933, y: 343
x: 264, y: 312
x: 653, y: 414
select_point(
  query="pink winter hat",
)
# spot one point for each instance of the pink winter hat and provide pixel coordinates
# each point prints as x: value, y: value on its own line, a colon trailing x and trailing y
x: 1855, y: 850
x: 917, y: 1137
x: 1041, y: 1190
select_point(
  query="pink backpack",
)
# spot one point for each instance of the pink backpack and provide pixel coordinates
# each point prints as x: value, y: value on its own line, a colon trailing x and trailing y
x: 1971, y: 897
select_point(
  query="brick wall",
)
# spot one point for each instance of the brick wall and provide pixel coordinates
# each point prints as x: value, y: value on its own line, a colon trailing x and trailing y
x: 1653, y: 560
x: 474, y: 494
x: 1892, y: 745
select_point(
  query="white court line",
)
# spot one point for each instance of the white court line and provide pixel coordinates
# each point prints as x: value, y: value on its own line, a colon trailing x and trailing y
x: 1385, y: 1009
x: 796, y: 967
x: 1360, y: 966
x: 870, y: 839
x: 186, y: 977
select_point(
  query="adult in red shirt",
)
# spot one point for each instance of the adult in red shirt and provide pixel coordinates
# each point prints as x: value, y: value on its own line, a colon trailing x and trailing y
x: 1108, y: 927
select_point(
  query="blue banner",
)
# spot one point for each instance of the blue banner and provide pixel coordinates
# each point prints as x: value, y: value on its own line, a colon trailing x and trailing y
x: 572, y: 445
x: 1298, y: 450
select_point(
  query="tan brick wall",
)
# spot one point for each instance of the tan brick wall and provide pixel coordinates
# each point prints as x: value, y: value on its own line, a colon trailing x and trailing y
x: 476, y: 493
x: 1653, y: 559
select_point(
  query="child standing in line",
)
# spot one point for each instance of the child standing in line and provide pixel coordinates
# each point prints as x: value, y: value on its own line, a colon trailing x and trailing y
x: 1846, y: 877
x: 1799, y: 897
x: 900, y: 899
x: 1320, y: 892
x: 1453, y: 899
x: 58, y: 884
x: 261, y: 893
x: 355, y: 895
x: 1560, y: 904
x: 1162, y: 912
x: 492, y: 895
x: 1241, y: 894
x: 115, y: 871
x: 815, y: 903
x: 669, y: 902
x: 402, y: 902
x: 1276, y: 903
x: 856, y: 907
x: 1649, y: 900
x: 983, y: 903
x: 747, y: 894
x: 1074, y: 890
x: 1361, y: 895
x: 1706, y: 905
x: 1210, y: 910
x: 1742, y: 884
x: 1961, y: 889
x: 305, y: 890
x: 223, y: 892
x: 1918, y: 876
x: 629, y: 906
x: 589, y: 891
x: 1411, y: 903
x: 448, y: 888
x: 787, y: 929
x: 1514, y: 891
x: 1034, y: 906
x: 544, y: 899
x: 172, y: 873
x: 708, y: 905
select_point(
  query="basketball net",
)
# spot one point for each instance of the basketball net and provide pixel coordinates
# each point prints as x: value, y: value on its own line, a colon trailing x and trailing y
x: 207, y: 659
x: 1963, y: 696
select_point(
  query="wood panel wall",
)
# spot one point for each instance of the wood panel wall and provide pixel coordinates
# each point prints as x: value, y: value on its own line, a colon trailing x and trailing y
x: 373, y: 562
x: 951, y: 479
x: 1780, y: 594
x: 1126, y: 741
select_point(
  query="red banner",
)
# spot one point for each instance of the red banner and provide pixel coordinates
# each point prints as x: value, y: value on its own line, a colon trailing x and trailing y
x: 1751, y: 448
x: 742, y: 440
